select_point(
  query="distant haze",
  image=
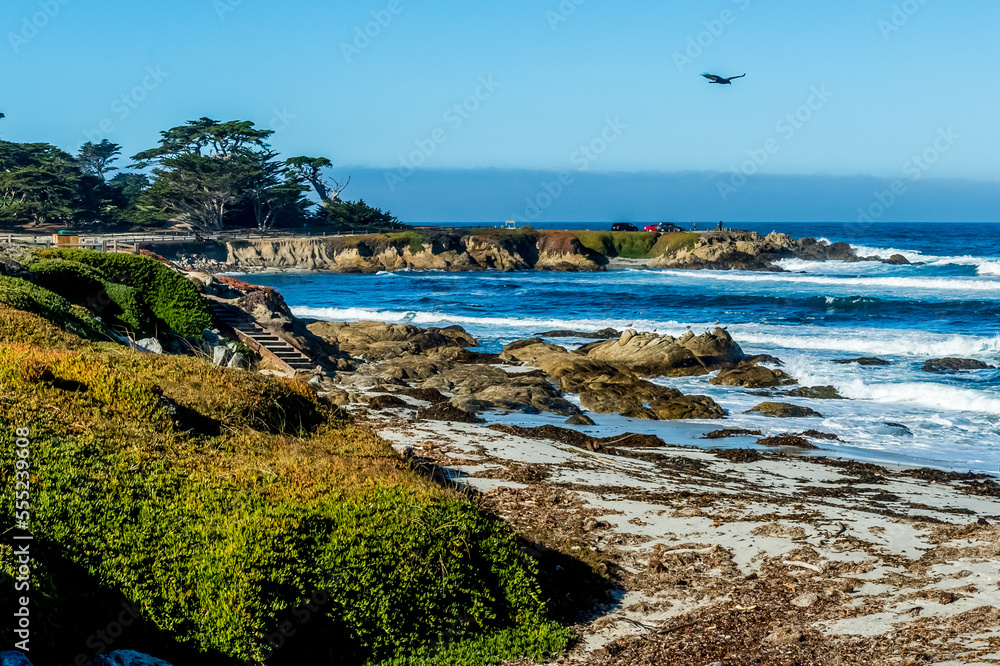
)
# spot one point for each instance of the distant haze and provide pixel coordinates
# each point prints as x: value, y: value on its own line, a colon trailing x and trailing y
x: 494, y: 195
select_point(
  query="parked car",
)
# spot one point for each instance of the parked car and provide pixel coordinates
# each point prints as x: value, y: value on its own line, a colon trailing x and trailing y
x: 662, y: 227
x: 623, y: 226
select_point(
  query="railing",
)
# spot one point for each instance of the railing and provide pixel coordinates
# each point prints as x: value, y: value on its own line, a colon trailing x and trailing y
x: 130, y: 241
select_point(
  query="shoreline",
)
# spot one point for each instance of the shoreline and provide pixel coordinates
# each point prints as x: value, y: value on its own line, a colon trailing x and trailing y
x: 790, y: 554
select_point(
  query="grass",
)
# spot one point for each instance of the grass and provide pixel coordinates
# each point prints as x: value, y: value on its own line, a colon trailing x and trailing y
x: 414, y: 239
x: 674, y: 241
x: 625, y: 244
x: 220, y: 500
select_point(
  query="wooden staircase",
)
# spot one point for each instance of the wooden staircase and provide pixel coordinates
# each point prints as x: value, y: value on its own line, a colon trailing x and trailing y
x: 262, y: 341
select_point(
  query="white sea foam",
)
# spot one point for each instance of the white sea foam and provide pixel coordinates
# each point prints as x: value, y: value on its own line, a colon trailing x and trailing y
x: 884, y: 342
x: 882, y: 282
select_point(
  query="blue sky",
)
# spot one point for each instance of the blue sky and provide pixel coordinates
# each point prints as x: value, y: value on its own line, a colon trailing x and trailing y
x: 852, y: 88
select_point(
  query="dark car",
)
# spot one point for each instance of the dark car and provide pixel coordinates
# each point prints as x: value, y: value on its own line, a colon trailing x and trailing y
x: 623, y: 226
x: 667, y: 228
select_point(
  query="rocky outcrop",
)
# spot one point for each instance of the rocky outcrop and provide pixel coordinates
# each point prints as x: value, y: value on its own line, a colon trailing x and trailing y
x: 378, y: 341
x: 864, y: 360
x: 949, y: 365
x: 749, y: 374
x: 652, y: 355
x: 783, y: 410
x: 494, y: 249
x: 606, y: 387
x: 748, y: 250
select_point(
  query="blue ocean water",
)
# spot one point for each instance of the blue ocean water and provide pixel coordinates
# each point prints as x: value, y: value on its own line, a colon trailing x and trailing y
x: 946, y: 304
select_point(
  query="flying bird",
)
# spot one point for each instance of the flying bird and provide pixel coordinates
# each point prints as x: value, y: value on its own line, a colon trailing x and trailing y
x: 712, y: 78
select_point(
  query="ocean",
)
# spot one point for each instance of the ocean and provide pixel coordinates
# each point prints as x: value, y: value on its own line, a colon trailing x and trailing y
x: 946, y: 304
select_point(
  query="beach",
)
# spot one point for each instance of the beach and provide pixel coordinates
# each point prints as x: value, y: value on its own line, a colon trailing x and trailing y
x: 783, y: 560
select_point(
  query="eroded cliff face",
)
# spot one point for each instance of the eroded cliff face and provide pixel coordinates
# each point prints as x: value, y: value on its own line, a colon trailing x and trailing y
x: 496, y: 250
x: 457, y: 253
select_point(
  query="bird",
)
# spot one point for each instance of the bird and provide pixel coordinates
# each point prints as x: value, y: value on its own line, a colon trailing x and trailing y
x: 712, y: 78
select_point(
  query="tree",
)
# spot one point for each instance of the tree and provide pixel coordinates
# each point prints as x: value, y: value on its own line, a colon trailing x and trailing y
x: 310, y: 170
x: 350, y: 214
x: 205, y: 167
x: 39, y: 183
x: 271, y: 188
x: 131, y: 186
x: 96, y: 159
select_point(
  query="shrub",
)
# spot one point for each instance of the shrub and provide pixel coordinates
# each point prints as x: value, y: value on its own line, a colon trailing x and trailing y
x: 23, y: 295
x: 219, y: 537
x: 171, y: 297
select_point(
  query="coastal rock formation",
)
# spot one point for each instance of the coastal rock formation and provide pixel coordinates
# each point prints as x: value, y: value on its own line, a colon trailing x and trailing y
x: 864, y: 360
x: 750, y: 375
x: 606, y: 387
x: 816, y: 393
x: 653, y: 355
x: 748, y: 250
x: 379, y: 341
x: 948, y: 365
x: 783, y: 410
x: 506, y: 250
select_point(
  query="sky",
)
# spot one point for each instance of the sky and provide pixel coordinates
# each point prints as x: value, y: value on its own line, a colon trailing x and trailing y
x: 540, y: 109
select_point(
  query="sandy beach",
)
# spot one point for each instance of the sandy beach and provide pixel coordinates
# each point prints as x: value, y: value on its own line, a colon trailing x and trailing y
x: 716, y: 556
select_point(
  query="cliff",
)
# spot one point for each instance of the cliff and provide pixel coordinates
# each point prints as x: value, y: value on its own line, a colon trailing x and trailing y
x: 505, y: 250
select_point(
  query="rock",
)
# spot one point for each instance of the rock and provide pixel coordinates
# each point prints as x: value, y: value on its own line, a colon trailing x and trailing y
x: 816, y: 434
x: 626, y: 336
x: 603, y: 334
x: 579, y: 439
x: 432, y: 396
x: 211, y: 336
x: 380, y: 341
x: 750, y: 375
x: 238, y: 362
x: 652, y: 355
x: 805, y: 600
x: 949, y: 365
x: 384, y: 401
x: 864, y: 360
x: 816, y: 393
x: 221, y: 355
x: 686, y: 407
x: 445, y: 411
x: 151, y: 345
x: 897, y: 260
x: 787, y: 440
x: 732, y: 432
x: 580, y: 420
x: 784, y: 410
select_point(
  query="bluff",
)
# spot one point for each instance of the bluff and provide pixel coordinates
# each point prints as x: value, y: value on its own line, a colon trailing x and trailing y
x: 502, y: 249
